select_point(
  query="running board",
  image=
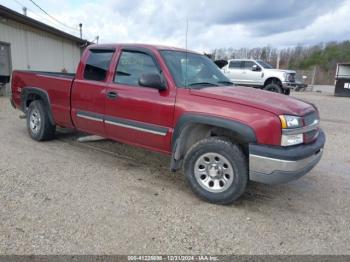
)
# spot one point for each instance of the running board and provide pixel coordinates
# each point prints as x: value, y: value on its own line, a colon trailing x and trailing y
x: 92, y: 138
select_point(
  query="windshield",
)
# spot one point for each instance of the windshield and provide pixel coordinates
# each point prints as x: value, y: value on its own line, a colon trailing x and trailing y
x: 193, y: 70
x: 265, y: 65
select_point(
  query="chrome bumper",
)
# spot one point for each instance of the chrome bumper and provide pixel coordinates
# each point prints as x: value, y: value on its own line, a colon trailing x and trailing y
x: 289, y: 166
x: 289, y: 85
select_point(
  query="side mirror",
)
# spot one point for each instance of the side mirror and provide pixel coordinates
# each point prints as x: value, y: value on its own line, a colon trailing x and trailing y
x: 255, y: 68
x: 152, y: 81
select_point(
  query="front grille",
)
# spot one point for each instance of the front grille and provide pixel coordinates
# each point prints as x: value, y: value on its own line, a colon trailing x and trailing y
x: 291, y: 77
x: 311, y: 135
x: 310, y: 118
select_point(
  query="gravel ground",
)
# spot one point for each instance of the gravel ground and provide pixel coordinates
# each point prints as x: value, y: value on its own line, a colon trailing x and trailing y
x: 64, y: 197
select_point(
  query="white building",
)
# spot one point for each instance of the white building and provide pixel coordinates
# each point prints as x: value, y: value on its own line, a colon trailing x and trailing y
x: 27, y: 44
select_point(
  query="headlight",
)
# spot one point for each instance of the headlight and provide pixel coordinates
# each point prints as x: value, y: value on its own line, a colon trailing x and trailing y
x: 289, y: 77
x: 291, y: 121
x: 287, y: 123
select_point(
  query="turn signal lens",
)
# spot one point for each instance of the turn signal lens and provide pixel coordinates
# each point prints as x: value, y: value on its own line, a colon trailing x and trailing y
x: 283, y: 122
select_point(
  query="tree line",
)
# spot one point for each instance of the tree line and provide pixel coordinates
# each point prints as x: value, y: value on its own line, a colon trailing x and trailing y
x: 321, y: 58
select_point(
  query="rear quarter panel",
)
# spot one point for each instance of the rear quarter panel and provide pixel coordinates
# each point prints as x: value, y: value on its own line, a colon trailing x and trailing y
x: 57, y: 88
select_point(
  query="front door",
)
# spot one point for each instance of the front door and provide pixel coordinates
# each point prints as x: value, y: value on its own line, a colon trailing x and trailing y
x: 252, y: 77
x: 135, y: 114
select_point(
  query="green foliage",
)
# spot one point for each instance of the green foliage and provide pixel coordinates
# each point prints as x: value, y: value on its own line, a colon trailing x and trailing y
x: 325, y: 58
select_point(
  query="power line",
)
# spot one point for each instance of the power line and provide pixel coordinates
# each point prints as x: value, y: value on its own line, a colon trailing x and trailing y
x: 58, y: 21
x: 38, y: 15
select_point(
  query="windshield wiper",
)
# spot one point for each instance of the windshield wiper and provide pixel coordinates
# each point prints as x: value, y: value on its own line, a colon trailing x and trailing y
x: 226, y: 82
x: 123, y: 73
x: 203, y: 84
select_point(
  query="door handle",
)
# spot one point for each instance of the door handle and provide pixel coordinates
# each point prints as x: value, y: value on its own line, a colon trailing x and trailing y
x: 112, y: 95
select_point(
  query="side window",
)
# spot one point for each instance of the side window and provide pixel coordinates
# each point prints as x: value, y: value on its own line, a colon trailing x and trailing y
x: 235, y: 64
x: 97, y: 65
x: 248, y: 64
x: 132, y: 65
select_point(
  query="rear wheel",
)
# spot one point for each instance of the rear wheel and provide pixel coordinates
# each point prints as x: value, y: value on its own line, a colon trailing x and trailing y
x: 273, y: 87
x: 38, y: 122
x: 216, y: 170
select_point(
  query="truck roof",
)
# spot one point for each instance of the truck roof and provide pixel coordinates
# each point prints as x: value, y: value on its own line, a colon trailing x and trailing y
x: 242, y: 59
x: 148, y: 46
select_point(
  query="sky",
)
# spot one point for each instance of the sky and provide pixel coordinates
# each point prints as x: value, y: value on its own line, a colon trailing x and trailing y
x: 211, y: 24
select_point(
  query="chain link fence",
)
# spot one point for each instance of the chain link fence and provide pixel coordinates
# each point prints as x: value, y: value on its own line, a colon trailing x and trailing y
x: 315, y: 76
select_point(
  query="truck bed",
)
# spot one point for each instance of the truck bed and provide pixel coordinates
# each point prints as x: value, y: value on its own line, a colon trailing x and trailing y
x: 47, y: 73
x: 57, y: 85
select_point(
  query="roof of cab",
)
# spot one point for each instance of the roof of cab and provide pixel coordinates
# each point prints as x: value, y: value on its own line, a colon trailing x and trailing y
x: 148, y: 46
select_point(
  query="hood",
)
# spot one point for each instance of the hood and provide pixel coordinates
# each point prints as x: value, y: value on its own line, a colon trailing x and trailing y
x: 272, y: 102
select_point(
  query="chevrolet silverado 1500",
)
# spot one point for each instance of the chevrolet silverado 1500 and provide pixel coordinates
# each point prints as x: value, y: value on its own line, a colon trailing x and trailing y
x: 179, y: 103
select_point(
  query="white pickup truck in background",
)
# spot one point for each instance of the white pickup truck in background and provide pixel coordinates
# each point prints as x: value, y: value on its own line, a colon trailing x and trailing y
x: 257, y: 73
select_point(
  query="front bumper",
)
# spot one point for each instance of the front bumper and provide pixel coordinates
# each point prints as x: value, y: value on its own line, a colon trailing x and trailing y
x: 276, y: 165
x: 290, y: 85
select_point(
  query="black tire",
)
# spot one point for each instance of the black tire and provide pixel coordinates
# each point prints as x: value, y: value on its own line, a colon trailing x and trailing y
x: 286, y: 91
x: 235, y: 157
x: 44, y: 129
x: 272, y: 87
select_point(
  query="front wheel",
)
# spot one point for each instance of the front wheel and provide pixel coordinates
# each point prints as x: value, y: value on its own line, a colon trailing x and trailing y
x: 273, y: 87
x: 287, y: 91
x: 216, y: 170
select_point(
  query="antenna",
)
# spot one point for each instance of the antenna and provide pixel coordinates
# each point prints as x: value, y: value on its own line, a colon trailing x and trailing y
x: 186, y: 53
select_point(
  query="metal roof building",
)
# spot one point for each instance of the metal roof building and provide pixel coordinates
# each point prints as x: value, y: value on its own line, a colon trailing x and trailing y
x: 27, y: 44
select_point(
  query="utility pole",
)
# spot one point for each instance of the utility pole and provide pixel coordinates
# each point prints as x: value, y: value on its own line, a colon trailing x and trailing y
x: 24, y: 11
x: 313, y: 78
x: 81, y: 30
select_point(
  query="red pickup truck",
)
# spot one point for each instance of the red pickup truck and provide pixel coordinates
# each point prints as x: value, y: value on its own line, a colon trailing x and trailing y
x: 179, y: 103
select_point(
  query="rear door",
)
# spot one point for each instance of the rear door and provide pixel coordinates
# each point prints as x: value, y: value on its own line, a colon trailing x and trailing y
x: 235, y: 71
x: 89, y: 92
x: 135, y: 114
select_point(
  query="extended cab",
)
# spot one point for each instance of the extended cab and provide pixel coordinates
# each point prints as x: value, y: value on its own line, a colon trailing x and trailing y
x: 257, y: 73
x: 179, y: 103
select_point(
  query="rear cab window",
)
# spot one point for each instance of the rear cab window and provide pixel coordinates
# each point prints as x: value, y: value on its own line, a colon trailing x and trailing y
x: 97, y: 64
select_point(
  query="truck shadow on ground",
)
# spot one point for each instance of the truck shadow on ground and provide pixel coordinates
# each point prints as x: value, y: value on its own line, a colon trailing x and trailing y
x: 158, y: 164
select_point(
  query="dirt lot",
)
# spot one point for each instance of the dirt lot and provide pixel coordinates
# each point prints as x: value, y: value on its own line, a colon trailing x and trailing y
x: 63, y: 197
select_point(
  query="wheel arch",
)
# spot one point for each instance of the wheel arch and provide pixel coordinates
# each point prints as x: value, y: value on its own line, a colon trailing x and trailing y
x: 30, y: 94
x: 273, y: 79
x: 191, y: 128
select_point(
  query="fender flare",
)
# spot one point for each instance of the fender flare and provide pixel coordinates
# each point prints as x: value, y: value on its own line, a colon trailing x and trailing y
x: 272, y: 77
x: 44, y: 96
x: 243, y: 131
